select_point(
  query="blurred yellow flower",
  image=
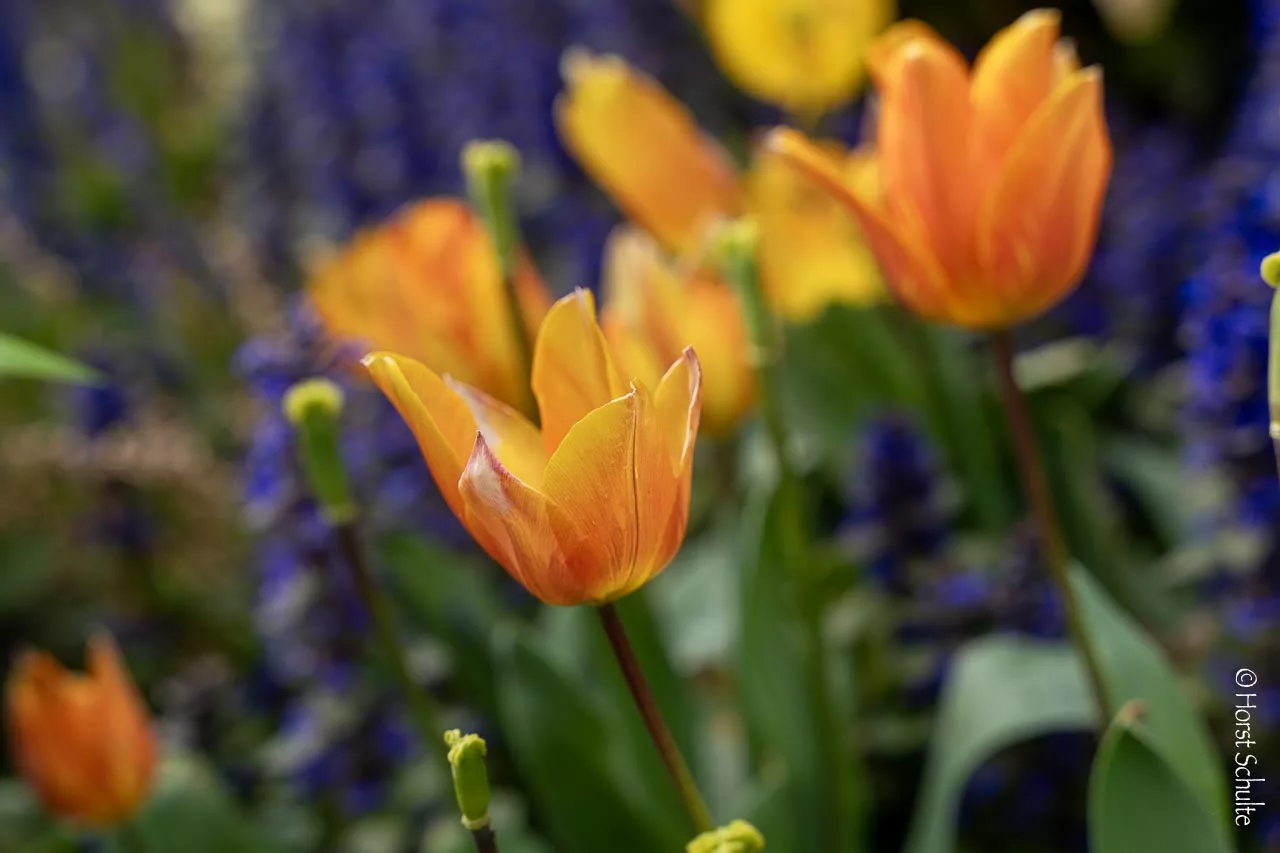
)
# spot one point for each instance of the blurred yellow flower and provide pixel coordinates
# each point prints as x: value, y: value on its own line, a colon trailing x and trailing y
x: 593, y: 505
x: 427, y: 283
x: 83, y: 743
x: 993, y: 180
x: 654, y: 311
x: 806, y: 56
x: 644, y: 149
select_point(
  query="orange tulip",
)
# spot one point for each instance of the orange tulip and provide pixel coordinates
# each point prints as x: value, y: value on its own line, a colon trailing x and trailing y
x: 653, y: 311
x: 427, y: 284
x: 592, y: 506
x: 645, y: 149
x: 642, y: 146
x: 83, y: 742
x: 993, y: 179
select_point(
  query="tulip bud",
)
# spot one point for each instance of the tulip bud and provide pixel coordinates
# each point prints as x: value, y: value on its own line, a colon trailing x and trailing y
x: 313, y: 406
x: 1271, y: 269
x: 82, y: 742
x: 490, y: 166
x: 738, y: 837
x: 470, y: 777
x: 737, y: 250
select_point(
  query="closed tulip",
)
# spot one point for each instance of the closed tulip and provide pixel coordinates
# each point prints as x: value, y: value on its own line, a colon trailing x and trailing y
x: 643, y: 148
x: 992, y: 178
x: 428, y: 284
x: 654, y: 310
x: 595, y: 503
x: 806, y: 56
x: 83, y: 743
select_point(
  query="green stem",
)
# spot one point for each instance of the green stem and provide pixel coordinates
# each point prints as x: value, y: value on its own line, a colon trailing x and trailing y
x: 486, y: 840
x: 422, y: 710
x: 672, y: 759
x: 1036, y: 485
x: 523, y: 342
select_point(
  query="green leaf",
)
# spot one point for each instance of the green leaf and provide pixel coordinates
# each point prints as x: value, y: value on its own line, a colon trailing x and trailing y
x: 454, y: 597
x: 1001, y: 691
x: 1136, y: 668
x: 25, y: 360
x: 1139, y: 804
x: 190, y: 811
x: 568, y: 759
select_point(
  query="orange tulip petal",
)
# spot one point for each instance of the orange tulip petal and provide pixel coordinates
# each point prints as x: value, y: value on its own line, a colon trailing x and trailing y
x: 887, y: 44
x: 644, y: 148
x: 678, y: 401
x: 1012, y: 77
x: 925, y: 163
x: 913, y: 273
x: 514, y: 524
x: 123, y: 735
x: 1040, y: 222
x: 509, y: 435
x: 592, y: 478
x: 573, y: 373
x: 439, y: 418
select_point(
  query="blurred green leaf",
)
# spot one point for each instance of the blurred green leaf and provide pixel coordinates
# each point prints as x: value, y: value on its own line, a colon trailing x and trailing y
x: 1156, y: 475
x: 25, y: 360
x: 777, y: 665
x: 454, y: 597
x: 568, y: 760
x: 1001, y: 691
x: 1136, y: 668
x: 1139, y: 804
x: 695, y: 599
x: 26, y: 827
x: 191, y: 811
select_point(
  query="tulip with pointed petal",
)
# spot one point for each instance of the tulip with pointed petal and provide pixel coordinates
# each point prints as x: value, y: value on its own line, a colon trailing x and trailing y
x: 593, y: 505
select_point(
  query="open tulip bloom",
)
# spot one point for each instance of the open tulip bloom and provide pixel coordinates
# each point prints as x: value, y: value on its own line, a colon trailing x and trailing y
x: 992, y: 178
x: 593, y: 505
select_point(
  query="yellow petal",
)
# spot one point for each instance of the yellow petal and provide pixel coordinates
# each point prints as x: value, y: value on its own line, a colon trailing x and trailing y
x: 573, y: 372
x: 811, y: 250
x: 711, y: 323
x: 925, y: 163
x: 806, y: 56
x: 1040, y: 222
x: 513, y: 523
x: 1012, y: 77
x: 509, y: 435
x: 678, y: 401
x: 909, y: 267
x: 644, y: 149
x: 439, y: 418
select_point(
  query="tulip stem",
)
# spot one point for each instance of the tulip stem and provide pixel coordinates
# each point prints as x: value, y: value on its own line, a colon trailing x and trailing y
x: 485, y: 839
x: 423, y: 711
x: 1036, y: 485
x: 674, y: 761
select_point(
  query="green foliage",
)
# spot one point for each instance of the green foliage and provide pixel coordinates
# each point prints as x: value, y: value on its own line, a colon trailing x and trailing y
x: 1138, y: 802
x: 24, y: 360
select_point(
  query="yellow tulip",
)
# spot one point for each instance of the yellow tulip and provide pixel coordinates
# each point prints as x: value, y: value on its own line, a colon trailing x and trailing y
x: 427, y: 283
x: 811, y: 249
x: 644, y: 149
x: 593, y: 505
x: 993, y: 179
x: 654, y: 311
x: 806, y: 56
x: 82, y: 742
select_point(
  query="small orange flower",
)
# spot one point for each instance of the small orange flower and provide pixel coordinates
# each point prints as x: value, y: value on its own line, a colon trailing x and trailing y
x: 592, y: 506
x: 83, y: 742
x: 644, y: 148
x: 427, y: 283
x: 993, y: 179
x: 654, y: 311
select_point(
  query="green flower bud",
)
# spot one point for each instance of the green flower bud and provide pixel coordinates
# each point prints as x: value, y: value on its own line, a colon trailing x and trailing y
x: 490, y: 167
x: 470, y: 777
x: 736, y: 249
x: 737, y: 837
x: 1271, y: 269
x: 313, y: 407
